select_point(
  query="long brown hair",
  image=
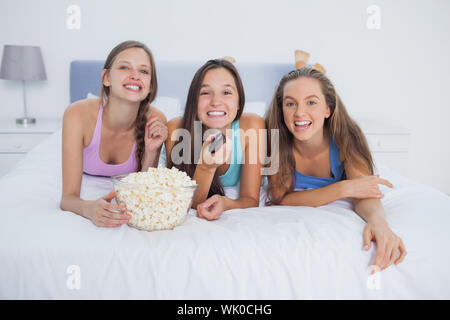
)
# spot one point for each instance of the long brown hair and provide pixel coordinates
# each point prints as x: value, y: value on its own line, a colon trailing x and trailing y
x: 191, y: 115
x: 141, y: 117
x: 343, y: 129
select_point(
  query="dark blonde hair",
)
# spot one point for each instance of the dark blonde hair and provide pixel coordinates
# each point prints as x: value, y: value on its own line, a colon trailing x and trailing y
x: 191, y: 115
x: 141, y: 117
x: 344, y: 130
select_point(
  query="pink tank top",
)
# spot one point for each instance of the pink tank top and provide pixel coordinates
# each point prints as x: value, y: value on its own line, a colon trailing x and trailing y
x: 92, y: 164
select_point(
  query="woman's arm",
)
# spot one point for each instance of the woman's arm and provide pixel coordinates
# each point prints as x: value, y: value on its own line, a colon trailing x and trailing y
x: 250, y: 181
x: 208, y: 164
x: 371, y: 210
x: 99, y: 211
x: 315, y: 197
x: 172, y: 126
x: 360, y: 187
x: 207, y: 167
x: 255, y: 150
x: 155, y: 134
x: 202, y: 175
x: 72, y: 161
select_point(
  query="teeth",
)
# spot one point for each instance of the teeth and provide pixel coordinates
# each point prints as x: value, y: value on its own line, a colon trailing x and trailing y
x: 132, y: 87
x: 302, y: 123
x: 216, y: 113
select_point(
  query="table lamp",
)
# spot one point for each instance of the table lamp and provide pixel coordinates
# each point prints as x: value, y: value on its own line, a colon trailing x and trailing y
x: 23, y: 63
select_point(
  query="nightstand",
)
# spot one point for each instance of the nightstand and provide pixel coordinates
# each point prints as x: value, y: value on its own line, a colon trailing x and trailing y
x: 389, y: 144
x: 16, y: 140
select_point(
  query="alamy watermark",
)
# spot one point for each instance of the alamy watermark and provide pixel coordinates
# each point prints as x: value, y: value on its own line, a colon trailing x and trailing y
x: 181, y: 152
x: 73, y: 281
x: 373, y: 282
x: 374, y: 17
x: 73, y: 21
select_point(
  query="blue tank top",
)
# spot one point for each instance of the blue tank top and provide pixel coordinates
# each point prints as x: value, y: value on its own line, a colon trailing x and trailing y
x: 233, y: 174
x: 304, y: 181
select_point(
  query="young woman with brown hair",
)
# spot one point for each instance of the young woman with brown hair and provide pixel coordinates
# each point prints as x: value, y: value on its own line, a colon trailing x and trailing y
x: 324, y: 156
x: 117, y: 133
x: 215, y: 102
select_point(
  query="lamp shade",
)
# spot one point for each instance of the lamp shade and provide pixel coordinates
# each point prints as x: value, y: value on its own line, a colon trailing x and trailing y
x: 22, y: 63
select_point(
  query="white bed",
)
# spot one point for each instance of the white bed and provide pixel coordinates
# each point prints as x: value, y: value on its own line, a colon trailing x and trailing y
x: 257, y: 253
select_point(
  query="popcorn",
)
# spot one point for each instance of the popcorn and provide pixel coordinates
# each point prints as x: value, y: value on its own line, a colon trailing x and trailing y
x: 158, y: 199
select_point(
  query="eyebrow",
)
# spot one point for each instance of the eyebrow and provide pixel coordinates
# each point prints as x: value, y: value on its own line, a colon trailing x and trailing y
x: 125, y: 61
x: 310, y: 96
x: 225, y: 85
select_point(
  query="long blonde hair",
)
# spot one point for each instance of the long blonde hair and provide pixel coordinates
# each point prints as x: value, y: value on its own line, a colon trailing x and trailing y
x: 344, y: 130
x: 141, y: 117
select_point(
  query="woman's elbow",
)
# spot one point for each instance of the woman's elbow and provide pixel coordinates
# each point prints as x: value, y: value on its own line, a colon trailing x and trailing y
x: 62, y: 203
x: 297, y: 202
x: 252, y: 202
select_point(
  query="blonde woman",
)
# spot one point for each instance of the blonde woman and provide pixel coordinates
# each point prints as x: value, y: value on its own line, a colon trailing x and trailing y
x: 324, y: 156
x: 118, y: 133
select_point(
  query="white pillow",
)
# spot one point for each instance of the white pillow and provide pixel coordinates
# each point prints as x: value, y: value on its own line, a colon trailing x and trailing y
x: 171, y: 107
x: 258, y: 107
x: 91, y: 96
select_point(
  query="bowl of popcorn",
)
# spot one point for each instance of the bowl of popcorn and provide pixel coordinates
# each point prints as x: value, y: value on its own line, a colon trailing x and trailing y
x: 157, y: 199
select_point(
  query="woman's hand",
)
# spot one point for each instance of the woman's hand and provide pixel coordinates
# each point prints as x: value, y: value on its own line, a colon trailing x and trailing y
x: 104, y: 214
x: 211, y: 208
x: 211, y: 161
x: 155, y: 134
x: 390, y: 248
x: 365, y: 187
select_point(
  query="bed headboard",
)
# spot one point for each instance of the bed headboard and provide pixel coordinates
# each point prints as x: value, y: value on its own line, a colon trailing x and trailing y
x: 174, y: 78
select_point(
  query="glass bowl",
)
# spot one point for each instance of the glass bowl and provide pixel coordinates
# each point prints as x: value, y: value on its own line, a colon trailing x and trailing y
x: 153, y: 207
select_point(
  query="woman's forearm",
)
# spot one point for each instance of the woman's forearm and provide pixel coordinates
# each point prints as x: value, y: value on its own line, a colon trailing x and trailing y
x: 315, y: 197
x: 76, y: 205
x: 150, y: 160
x: 241, y: 203
x: 370, y: 210
x: 203, y: 177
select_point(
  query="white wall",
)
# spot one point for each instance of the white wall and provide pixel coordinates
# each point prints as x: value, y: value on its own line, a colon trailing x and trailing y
x: 400, y: 73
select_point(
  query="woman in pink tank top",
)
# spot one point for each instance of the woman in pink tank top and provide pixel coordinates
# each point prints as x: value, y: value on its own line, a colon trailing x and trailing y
x: 127, y: 134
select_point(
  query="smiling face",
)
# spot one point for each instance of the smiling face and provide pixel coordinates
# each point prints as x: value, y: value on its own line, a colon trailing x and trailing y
x: 129, y: 76
x: 304, y: 108
x: 218, y: 100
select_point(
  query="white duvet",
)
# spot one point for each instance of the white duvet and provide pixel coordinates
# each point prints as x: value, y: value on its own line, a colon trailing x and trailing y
x: 257, y: 253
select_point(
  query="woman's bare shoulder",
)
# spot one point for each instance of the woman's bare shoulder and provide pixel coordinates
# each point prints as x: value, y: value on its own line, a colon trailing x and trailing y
x: 83, y: 109
x: 174, y: 123
x: 153, y: 111
x: 81, y: 116
x: 251, y: 120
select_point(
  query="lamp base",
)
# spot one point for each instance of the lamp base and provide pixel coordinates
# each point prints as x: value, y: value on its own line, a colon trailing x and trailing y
x: 25, y: 121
